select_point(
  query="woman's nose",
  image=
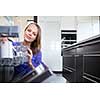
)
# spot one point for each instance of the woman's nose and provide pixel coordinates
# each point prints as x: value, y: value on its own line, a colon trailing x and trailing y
x: 30, y: 34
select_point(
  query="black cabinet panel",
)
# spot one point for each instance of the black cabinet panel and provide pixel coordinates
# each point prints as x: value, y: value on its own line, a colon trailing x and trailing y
x: 92, y: 48
x: 79, y: 68
x: 80, y: 50
x: 84, y: 61
x: 69, y: 61
x: 92, y: 65
x: 69, y: 68
x: 71, y: 51
x: 69, y: 75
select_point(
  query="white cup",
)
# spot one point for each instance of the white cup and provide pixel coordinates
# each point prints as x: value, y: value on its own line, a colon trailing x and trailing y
x: 6, y: 49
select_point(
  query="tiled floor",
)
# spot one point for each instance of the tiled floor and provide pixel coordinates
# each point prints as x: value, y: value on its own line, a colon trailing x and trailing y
x: 55, y: 78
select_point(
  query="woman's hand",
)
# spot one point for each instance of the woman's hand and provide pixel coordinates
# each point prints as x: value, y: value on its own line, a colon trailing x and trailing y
x: 30, y: 54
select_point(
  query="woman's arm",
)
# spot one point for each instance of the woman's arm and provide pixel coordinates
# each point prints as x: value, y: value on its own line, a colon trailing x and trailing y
x: 37, y: 59
x: 30, y: 55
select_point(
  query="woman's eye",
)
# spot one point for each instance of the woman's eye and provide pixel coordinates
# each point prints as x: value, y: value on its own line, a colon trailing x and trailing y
x: 29, y: 30
x: 34, y: 34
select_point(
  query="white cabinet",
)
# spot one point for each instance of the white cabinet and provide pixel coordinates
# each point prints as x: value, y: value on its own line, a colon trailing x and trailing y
x: 51, y: 41
x: 87, y: 26
x: 68, y: 23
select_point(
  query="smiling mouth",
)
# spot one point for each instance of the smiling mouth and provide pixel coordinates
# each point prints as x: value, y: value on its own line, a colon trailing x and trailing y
x: 28, y: 36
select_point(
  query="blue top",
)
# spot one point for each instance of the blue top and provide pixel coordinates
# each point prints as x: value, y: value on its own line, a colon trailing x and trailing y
x: 25, y: 68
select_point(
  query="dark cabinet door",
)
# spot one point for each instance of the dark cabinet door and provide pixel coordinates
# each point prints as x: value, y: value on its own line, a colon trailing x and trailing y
x: 69, y: 51
x: 69, y: 61
x: 92, y: 48
x: 92, y: 67
x: 69, y: 67
x: 79, y: 68
x: 69, y: 75
x: 81, y: 62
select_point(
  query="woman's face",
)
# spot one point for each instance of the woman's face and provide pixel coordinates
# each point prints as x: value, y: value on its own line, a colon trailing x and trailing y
x: 30, y: 33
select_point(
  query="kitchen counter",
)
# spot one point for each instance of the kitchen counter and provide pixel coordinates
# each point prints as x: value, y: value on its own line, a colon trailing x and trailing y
x: 97, y: 38
x: 81, y: 61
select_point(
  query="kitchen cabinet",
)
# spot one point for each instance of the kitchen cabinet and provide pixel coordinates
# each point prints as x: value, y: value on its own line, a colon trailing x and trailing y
x: 85, y: 61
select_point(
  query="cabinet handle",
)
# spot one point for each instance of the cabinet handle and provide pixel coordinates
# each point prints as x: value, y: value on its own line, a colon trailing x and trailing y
x: 67, y: 56
x: 68, y: 70
x: 89, y: 79
x: 94, y: 55
x: 77, y: 55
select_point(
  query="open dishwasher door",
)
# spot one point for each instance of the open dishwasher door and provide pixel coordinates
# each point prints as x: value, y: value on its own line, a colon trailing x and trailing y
x: 34, y: 76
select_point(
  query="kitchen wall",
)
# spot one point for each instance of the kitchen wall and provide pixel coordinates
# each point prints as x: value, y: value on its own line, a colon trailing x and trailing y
x: 51, y: 42
x: 86, y: 27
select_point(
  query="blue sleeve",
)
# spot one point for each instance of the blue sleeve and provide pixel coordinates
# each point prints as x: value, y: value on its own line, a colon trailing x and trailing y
x: 16, y: 43
x: 36, y: 59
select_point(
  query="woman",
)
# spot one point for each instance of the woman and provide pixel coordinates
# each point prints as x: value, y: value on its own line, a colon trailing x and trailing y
x: 32, y: 40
